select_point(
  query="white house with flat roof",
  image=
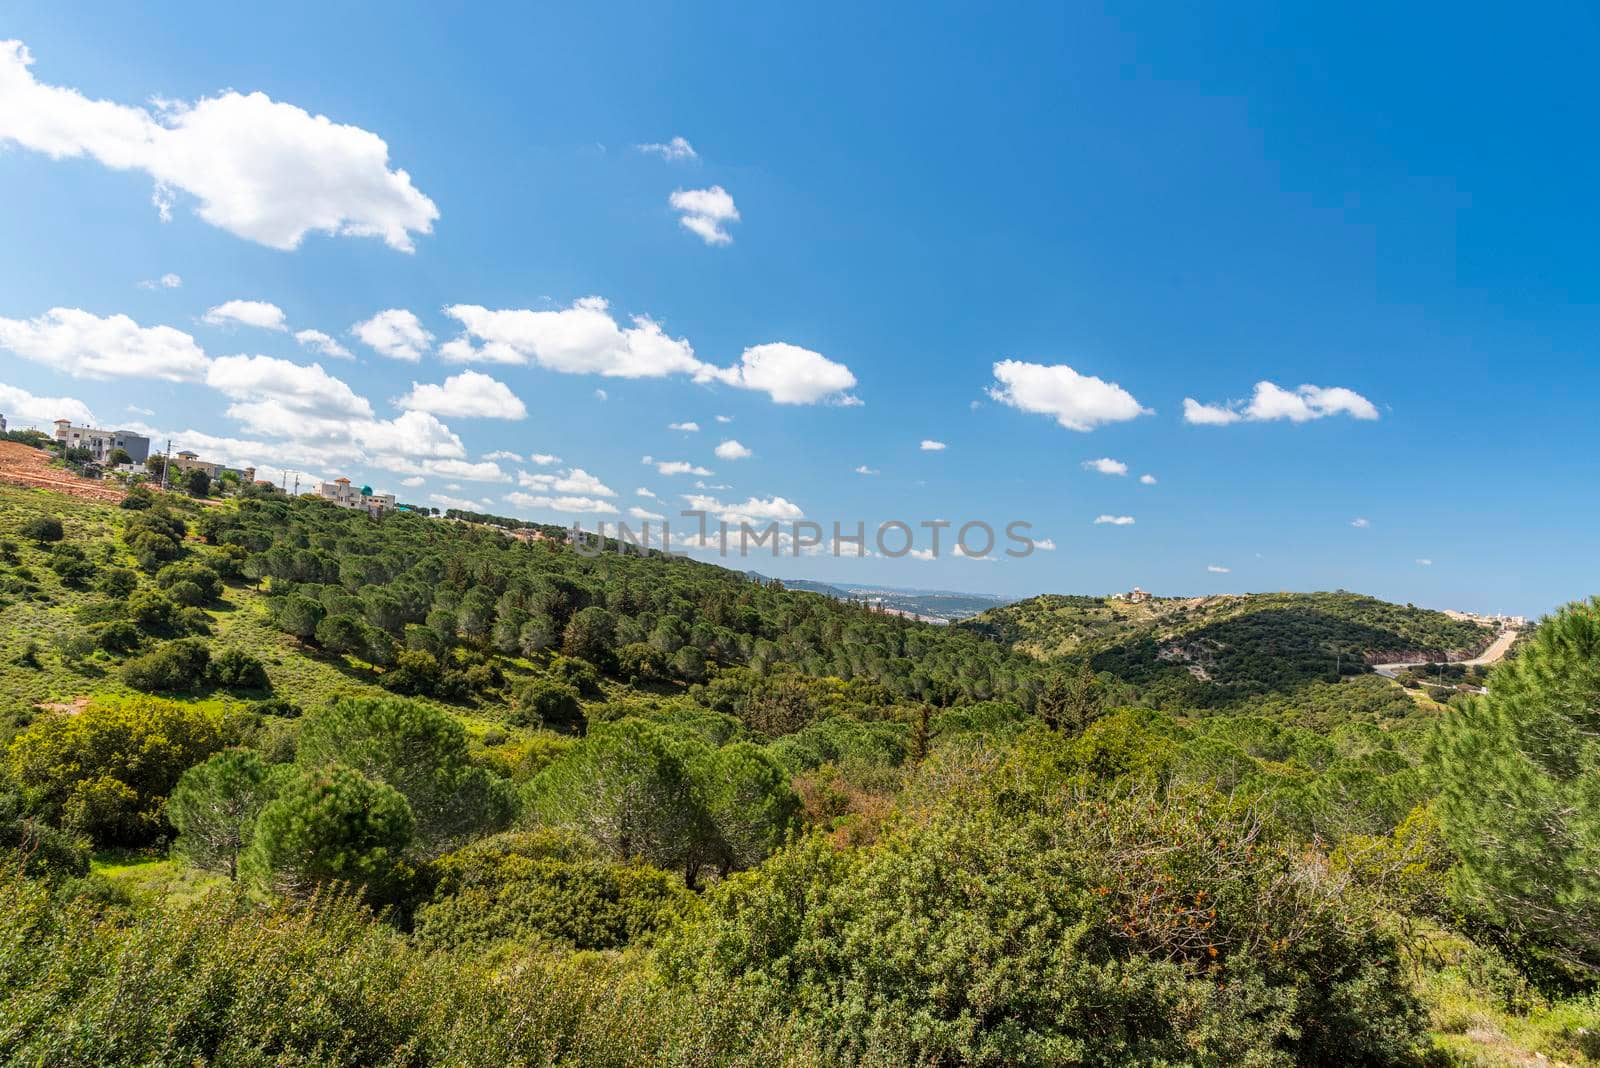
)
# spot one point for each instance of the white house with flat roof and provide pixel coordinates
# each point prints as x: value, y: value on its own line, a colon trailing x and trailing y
x: 102, y: 443
x: 343, y: 494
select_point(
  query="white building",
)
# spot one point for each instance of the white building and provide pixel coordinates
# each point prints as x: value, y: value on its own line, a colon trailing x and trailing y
x: 101, y: 443
x: 342, y: 493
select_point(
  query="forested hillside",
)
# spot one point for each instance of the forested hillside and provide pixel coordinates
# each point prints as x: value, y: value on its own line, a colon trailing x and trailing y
x: 1214, y: 651
x: 286, y: 785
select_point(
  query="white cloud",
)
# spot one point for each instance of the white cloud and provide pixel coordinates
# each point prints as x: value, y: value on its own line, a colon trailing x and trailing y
x: 601, y: 395
x: 581, y: 339
x: 1078, y: 402
x: 689, y: 428
x: 644, y: 513
x: 462, y: 504
x: 136, y: 410
x: 322, y: 343
x: 1218, y: 569
x: 642, y: 492
x: 706, y: 213
x: 259, y: 313
x: 569, y: 505
x: 576, y: 480
x: 673, y: 151
x: 787, y: 373
x: 1147, y: 480
x: 1424, y: 561
x: 586, y: 339
x: 86, y: 346
x: 166, y: 281
x: 724, y: 418
x: 544, y: 459
x: 413, y: 482
x: 702, y: 484
x: 865, y: 470
x: 484, y: 471
x: 281, y: 398
x: 261, y: 169
x: 675, y: 467
x: 1361, y: 522
x: 1272, y: 402
x: 1208, y: 414
x: 929, y: 445
x: 395, y: 333
x: 502, y: 454
x: 469, y: 394
x: 1114, y: 520
x: 1106, y: 466
x: 752, y: 510
x: 732, y: 450
x: 20, y: 406
x: 1047, y: 544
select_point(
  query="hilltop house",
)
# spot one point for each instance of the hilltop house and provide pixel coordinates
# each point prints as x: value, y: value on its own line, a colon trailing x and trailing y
x: 343, y: 494
x: 102, y: 443
x: 187, y: 461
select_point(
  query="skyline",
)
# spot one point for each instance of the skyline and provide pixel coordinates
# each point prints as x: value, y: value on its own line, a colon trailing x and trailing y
x: 1208, y: 327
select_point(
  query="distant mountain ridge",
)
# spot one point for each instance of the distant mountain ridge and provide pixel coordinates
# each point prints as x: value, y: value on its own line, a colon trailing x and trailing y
x: 936, y: 606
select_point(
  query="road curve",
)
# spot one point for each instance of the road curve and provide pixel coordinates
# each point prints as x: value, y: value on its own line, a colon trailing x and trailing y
x: 1492, y: 655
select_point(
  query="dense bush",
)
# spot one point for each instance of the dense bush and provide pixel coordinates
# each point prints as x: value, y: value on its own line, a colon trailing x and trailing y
x: 545, y: 886
x: 107, y: 771
x: 176, y: 665
x: 546, y: 702
x: 239, y: 670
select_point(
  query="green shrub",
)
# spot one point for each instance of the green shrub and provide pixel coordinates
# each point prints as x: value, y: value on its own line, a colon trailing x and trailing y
x: 236, y: 669
x: 43, y: 528
x: 549, y: 703
x: 174, y: 666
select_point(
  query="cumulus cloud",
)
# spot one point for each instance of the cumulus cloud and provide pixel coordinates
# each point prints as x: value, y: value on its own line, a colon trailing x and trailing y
x: 576, y: 480
x: 166, y: 281
x: 751, y: 510
x: 1208, y: 414
x: 483, y: 471
x: 468, y: 395
x: 1272, y: 402
x: 673, y: 151
x: 413, y: 482
x: 460, y: 504
x: 586, y: 338
x: 1147, y: 480
x: 544, y: 459
x: 1361, y: 522
x: 84, y: 345
x: 248, y: 313
x: 644, y: 513
x: 1106, y: 466
x: 724, y: 418
x: 674, y: 467
x: 787, y: 373
x: 261, y: 169
x: 649, y: 494
x: 732, y: 450
x: 21, y: 407
x: 1077, y: 401
x: 689, y: 428
x: 503, y: 454
x: 395, y: 333
x: 1424, y: 561
x: 1218, y: 569
x: 865, y: 470
x: 569, y: 505
x: 1047, y: 544
x: 322, y: 343
x: 706, y: 213
x: 929, y: 445
x: 1114, y: 520
x: 279, y: 397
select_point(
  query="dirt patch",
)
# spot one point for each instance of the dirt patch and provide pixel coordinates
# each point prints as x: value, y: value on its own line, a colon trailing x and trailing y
x: 24, y: 466
x: 73, y: 707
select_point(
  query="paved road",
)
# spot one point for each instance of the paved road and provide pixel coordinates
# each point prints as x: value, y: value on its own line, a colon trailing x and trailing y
x: 1491, y: 655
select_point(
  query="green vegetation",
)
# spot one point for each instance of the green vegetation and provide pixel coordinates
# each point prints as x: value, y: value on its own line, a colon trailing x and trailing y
x: 416, y: 792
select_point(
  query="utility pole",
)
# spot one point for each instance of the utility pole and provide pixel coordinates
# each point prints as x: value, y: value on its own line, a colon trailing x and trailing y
x: 166, y: 462
x: 297, y: 483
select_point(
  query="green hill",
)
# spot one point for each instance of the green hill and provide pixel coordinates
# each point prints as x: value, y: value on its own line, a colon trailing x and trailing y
x: 1205, y: 651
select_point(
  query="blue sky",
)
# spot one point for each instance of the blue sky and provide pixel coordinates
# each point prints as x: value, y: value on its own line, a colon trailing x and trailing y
x: 1135, y: 209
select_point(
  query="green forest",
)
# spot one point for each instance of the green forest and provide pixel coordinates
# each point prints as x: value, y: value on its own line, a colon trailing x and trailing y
x: 283, y: 784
